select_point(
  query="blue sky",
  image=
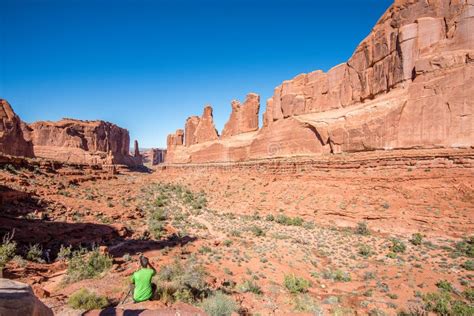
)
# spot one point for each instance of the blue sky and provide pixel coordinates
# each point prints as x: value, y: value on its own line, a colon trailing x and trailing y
x: 148, y: 65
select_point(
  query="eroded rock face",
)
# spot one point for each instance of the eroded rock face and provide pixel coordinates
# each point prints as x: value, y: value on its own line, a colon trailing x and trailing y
x: 190, y: 130
x: 244, y: 117
x: 12, y: 140
x: 205, y: 130
x: 87, y: 142
x: 17, y: 299
x: 409, y: 84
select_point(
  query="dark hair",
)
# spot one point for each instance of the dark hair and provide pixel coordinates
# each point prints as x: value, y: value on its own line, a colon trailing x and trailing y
x: 144, y: 261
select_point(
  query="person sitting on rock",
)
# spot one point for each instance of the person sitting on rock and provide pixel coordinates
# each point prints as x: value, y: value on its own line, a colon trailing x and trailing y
x: 143, y: 287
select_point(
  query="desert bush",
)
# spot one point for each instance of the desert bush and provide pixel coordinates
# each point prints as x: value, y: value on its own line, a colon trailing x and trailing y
x: 444, y: 285
x: 441, y: 303
x: 362, y: 229
x: 365, y: 250
x: 398, y: 246
x: 64, y: 252
x: 85, y: 264
x: 7, y: 249
x: 416, y: 239
x: 466, y: 247
x: 289, y: 221
x: 85, y: 300
x: 219, y: 304
x: 250, y: 286
x: 468, y: 265
x: 469, y: 294
x: 296, y: 284
x: 184, y: 282
x: 270, y: 218
x: 257, y: 231
x: 337, y: 275
x: 157, y: 222
x: 306, y: 304
x: 35, y: 253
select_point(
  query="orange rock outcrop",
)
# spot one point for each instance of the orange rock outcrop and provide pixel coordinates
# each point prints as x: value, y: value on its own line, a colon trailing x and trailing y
x: 409, y: 84
x: 12, y: 140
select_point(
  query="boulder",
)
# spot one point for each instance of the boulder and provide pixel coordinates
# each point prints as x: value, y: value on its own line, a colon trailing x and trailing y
x: 17, y: 299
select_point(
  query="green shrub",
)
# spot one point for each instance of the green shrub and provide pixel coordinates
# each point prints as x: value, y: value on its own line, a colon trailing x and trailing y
x: 157, y: 222
x: 250, y: 286
x: 466, y: 247
x: 416, y: 239
x: 469, y: 294
x: 306, y: 304
x: 219, y: 304
x: 397, y: 246
x: 441, y: 303
x: 296, y: 284
x: 35, y: 253
x: 365, y: 251
x: 85, y: 300
x: 337, y: 275
x: 270, y: 218
x: 362, y: 229
x: 468, y: 265
x: 289, y: 221
x: 444, y: 285
x: 87, y: 265
x: 64, y: 252
x: 7, y: 249
x: 257, y: 231
x: 185, y: 282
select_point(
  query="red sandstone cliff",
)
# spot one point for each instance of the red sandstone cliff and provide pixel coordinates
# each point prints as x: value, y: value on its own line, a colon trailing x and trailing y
x: 12, y: 140
x: 409, y: 84
x: 76, y: 141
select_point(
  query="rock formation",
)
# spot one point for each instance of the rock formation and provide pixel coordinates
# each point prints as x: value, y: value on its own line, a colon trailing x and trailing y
x: 205, y: 130
x: 244, y: 118
x: 409, y: 84
x: 12, y: 140
x: 17, y: 299
x: 190, y: 130
x: 85, y: 142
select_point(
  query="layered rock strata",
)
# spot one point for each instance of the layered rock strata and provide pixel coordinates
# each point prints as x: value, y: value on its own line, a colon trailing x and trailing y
x: 409, y: 84
x: 86, y: 142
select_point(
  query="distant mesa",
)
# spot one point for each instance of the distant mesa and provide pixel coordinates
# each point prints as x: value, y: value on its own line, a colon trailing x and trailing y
x: 68, y: 140
x: 409, y: 84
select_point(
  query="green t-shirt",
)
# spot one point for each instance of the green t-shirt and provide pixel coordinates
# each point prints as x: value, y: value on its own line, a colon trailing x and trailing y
x: 142, y: 281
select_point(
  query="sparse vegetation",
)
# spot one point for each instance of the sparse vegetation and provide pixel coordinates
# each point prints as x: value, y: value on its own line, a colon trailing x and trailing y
x: 416, y: 239
x: 250, y: 286
x: 7, y: 249
x: 182, y: 282
x: 362, y: 229
x: 296, y: 284
x: 35, y: 253
x: 468, y: 265
x: 466, y: 247
x: 219, y: 304
x: 85, y: 264
x: 397, y: 246
x: 289, y: 221
x: 85, y: 300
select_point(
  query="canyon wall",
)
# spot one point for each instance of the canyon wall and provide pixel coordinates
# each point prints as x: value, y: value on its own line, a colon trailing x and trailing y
x: 12, y: 140
x: 408, y: 85
x: 87, y: 142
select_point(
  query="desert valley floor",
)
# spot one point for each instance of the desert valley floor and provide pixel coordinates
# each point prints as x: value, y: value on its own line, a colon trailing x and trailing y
x: 376, y: 233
